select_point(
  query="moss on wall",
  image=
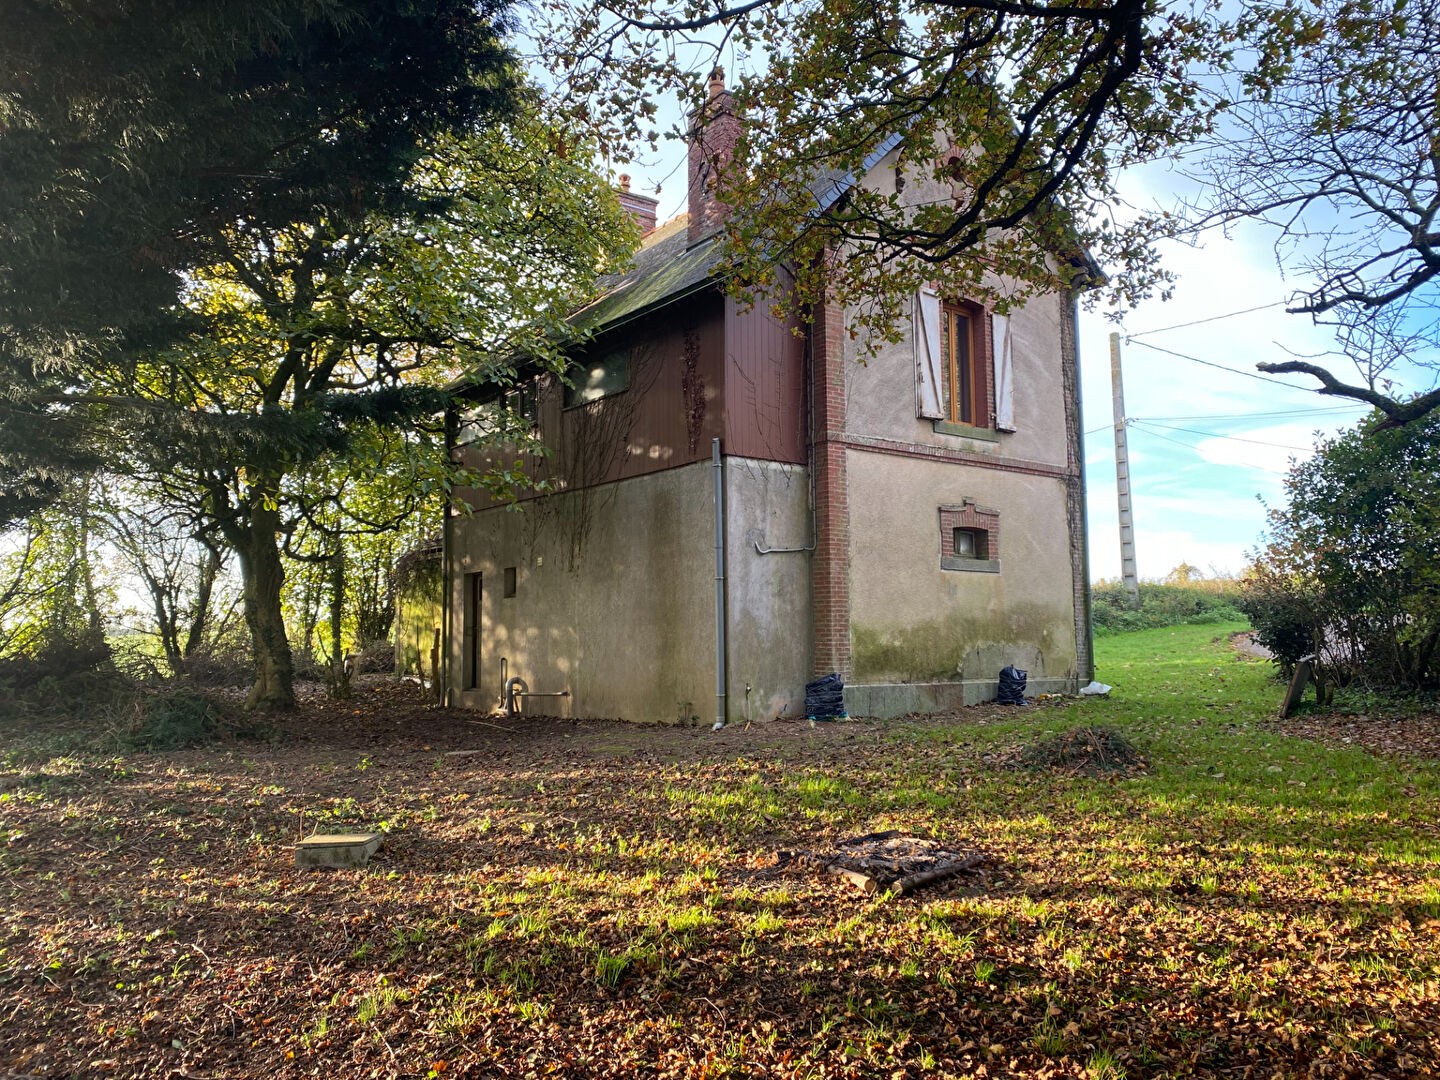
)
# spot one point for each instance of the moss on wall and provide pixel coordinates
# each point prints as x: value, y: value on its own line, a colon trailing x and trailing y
x: 964, y: 645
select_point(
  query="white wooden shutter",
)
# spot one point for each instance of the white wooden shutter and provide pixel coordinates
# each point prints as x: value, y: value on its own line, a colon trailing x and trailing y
x: 1004, y: 373
x: 928, y: 401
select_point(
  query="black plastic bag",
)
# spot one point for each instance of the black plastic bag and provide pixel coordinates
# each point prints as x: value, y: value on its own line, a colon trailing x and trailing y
x: 1012, y: 686
x: 825, y: 698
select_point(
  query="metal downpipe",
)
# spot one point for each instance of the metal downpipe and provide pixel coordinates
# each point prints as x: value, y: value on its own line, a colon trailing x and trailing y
x: 719, y: 466
x: 442, y: 692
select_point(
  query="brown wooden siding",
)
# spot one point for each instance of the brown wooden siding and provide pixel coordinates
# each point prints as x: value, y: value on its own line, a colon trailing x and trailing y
x: 665, y: 418
x: 764, y: 385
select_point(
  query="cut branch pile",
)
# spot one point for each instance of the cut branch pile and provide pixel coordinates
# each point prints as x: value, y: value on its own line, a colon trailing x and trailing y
x: 889, y: 861
x: 1094, y: 751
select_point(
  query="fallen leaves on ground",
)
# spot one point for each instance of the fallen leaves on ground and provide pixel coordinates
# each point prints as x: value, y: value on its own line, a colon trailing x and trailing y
x: 595, y: 899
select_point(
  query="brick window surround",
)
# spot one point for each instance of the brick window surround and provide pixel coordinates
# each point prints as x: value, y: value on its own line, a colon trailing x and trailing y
x: 976, y: 519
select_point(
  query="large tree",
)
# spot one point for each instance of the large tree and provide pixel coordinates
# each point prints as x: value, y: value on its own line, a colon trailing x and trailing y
x: 136, y: 134
x: 319, y: 349
x: 1024, y: 111
x: 1334, y: 143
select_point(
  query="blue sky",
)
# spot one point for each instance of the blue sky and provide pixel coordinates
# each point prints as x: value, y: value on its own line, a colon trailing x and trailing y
x: 1207, y: 444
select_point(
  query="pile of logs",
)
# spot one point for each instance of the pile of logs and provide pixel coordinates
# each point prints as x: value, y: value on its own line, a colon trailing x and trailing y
x: 889, y: 861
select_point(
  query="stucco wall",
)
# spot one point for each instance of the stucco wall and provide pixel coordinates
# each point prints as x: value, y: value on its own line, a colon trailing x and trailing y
x: 615, y: 590
x: 914, y: 622
x: 882, y: 390
x: 768, y: 594
x: 923, y: 637
x: 612, y: 599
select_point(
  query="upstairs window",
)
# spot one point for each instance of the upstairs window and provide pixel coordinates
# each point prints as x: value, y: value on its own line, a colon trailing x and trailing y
x: 515, y: 407
x: 964, y: 364
x: 963, y: 369
x: 599, y: 376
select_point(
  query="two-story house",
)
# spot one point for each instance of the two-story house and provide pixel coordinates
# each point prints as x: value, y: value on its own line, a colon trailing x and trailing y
x: 739, y: 505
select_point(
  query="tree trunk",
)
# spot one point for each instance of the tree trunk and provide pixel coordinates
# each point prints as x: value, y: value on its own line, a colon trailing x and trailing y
x: 263, y: 575
x: 200, y: 612
x: 94, y: 619
x: 339, y: 667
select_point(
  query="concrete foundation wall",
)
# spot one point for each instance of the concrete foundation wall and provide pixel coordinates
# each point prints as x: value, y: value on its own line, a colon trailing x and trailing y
x: 615, y: 597
x: 769, y: 613
x: 913, y: 622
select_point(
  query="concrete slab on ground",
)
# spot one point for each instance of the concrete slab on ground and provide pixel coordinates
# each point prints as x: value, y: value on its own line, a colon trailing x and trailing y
x: 337, y: 849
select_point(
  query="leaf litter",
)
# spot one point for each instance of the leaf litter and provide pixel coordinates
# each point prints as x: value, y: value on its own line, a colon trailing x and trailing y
x: 593, y: 899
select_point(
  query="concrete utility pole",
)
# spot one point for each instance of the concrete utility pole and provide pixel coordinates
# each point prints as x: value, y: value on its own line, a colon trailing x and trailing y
x: 1122, y: 477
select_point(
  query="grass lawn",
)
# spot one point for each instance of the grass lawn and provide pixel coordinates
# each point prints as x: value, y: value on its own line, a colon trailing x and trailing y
x: 591, y: 899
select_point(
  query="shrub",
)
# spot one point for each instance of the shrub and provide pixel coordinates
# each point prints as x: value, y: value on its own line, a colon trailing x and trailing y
x: 1351, y: 568
x: 1211, y: 601
x: 58, y: 661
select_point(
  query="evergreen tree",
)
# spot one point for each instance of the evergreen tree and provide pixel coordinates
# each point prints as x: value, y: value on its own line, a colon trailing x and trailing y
x: 137, y: 135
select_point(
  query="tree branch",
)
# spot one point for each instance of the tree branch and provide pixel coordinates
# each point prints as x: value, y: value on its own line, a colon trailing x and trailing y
x: 1397, y: 413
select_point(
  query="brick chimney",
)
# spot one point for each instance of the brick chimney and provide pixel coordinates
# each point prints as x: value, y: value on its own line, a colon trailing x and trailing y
x: 714, y: 134
x: 640, y: 207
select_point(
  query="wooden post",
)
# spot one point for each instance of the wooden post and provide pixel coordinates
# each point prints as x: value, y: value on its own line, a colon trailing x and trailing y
x: 1296, y: 691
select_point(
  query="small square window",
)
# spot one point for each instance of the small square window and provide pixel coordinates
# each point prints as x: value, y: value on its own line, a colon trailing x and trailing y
x: 969, y: 538
x: 509, y: 581
x: 972, y: 544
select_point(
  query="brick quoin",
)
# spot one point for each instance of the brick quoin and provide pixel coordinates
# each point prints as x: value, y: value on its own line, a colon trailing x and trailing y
x: 830, y: 565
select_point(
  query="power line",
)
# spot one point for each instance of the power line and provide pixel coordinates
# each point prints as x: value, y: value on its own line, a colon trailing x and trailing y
x: 1230, y: 438
x: 1228, y: 416
x: 1262, y: 415
x: 1222, y: 367
x: 1200, y: 322
x: 1167, y: 438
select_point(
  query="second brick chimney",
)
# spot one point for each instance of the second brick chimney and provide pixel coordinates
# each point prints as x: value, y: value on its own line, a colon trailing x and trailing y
x: 714, y: 134
x: 639, y: 207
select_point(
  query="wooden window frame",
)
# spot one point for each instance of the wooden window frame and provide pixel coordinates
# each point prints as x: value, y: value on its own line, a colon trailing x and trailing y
x: 479, y: 420
x: 966, y: 378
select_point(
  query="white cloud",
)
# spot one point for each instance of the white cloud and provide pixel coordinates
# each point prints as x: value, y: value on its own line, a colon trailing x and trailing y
x: 1269, y: 449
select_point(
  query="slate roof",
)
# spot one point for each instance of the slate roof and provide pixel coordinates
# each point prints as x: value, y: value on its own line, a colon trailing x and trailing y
x: 665, y: 268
